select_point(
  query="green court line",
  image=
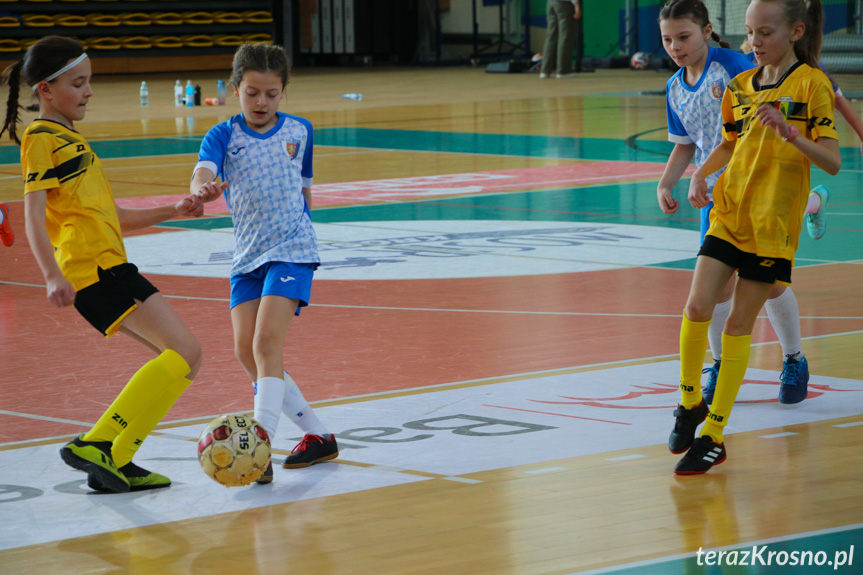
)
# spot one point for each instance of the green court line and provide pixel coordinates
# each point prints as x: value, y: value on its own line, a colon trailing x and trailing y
x: 597, y: 149
x: 406, y: 140
x: 836, y: 544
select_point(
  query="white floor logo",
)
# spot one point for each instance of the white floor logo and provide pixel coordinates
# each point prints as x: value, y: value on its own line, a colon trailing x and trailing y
x: 434, y: 249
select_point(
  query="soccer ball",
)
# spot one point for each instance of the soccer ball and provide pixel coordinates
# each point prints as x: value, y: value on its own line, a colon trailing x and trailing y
x: 640, y: 61
x: 234, y: 450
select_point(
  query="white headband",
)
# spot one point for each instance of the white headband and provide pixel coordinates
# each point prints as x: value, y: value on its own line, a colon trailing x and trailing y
x: 65, y: 68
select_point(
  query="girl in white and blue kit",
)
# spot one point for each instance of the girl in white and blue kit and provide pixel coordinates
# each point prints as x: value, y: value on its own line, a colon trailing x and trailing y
x: 264, y: 160
x: 693, y: 106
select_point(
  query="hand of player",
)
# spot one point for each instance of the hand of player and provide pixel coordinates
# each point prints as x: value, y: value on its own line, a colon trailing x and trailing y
x: 667, y: 204
x: 698, y: 192
x: 770, y: 117
x: 211, y: 191
x: 60, y: 292
x: 190, y: 206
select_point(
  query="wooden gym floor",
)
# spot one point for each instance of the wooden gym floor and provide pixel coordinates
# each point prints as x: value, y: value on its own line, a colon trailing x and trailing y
x: 492, y: 336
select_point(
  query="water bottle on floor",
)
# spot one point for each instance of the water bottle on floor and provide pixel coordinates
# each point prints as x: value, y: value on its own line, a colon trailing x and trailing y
x: 145, y: 95
x: 178, y: 94
x: 353, y: 96
x: 220, y: 87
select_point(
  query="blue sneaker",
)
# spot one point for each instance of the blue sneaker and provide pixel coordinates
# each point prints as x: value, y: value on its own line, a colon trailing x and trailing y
x: 816, y: 224
x: 794, y: 378
x: 712, y: 375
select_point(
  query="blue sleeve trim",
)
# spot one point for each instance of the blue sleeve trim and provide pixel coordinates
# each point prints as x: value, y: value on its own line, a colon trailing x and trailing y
x: 214, y: 146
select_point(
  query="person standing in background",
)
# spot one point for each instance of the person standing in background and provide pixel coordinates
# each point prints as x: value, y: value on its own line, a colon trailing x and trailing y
x: 560, y: 38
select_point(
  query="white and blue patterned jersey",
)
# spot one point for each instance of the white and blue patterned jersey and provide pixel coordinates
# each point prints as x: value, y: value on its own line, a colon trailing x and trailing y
x: 266, y: 174
x: 695, y: 112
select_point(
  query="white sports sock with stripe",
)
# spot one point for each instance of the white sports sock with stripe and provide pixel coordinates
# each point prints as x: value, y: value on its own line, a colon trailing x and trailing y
x: 299, y: 411
x: 784, y: 314
x: 269, y: 395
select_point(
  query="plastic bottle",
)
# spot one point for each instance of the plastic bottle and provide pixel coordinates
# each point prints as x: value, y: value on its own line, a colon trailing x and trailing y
x: 353, y: 96
x: 190, y: 94
x: 220, y: 87
x: 145, y: 95
x: 178, y: 94
x: 197, y: 95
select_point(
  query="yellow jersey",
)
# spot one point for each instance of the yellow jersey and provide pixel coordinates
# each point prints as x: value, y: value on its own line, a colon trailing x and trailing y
x: 81, y: 216
x: 760, y: 198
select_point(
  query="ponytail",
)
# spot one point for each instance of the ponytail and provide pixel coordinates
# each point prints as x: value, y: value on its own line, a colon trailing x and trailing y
x: 12, y: 77
x: 808, y: 48
x: 722, y: 43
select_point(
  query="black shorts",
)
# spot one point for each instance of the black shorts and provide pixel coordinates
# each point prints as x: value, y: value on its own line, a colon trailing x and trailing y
x: 749, y: 266
x: 105, y: 303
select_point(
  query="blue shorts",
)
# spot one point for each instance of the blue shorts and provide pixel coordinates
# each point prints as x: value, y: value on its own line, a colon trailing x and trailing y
x: 293, y: 281
x: 705, y: 220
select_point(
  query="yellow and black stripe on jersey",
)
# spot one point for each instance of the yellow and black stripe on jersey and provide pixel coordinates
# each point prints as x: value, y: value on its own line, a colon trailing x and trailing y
x: 67, y: 169
x: 760, y: 198
x: 81, y: 217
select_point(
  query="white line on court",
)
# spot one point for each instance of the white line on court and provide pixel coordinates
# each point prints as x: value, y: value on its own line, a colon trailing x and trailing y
x: 492, y: 311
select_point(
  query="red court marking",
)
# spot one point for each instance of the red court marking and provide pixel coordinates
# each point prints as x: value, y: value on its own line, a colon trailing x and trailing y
x: 403, y: 189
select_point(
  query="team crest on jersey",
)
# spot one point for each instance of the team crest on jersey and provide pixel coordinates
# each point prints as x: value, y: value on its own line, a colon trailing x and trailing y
x: 784, y: 106
x: 291, y: 148
x: 716, y: 90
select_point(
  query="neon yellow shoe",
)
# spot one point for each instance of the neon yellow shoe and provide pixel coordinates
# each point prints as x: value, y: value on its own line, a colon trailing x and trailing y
x: 94, y: 457
x: 139, y: 479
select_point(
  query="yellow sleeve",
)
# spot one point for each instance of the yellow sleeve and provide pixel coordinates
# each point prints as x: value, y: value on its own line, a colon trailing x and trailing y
x: 729, y: 122
x: 38, y: 164
x: 822, y: 104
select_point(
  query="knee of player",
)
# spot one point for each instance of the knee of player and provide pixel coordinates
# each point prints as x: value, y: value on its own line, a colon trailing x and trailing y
x: 190, y: 350
x: 266, y: 345
x: 243, y: 352
x: 698, y: 311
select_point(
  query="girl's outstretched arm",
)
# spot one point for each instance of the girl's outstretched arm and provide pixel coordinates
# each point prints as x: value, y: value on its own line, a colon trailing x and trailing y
x: 205, y: 187
x: 138, y: 218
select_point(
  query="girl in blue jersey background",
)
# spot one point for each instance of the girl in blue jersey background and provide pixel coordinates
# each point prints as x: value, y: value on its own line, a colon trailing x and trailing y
x: 693, y: 102
x: 264, y: 160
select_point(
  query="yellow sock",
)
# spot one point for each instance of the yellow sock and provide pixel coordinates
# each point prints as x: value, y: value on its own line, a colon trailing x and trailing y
x: 735, y: 360
x: 130, y: 439
x: 149, y: 382
x: 693, y: 346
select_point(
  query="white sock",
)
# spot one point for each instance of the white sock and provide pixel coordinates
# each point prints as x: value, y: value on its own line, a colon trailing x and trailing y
x: 784, y: 314
x: 299, y: 411
x: 269, y: 394
x: 714, y: 332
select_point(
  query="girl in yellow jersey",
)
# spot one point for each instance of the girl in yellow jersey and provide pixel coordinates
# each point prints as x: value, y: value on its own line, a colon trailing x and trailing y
x: 777, y: 120
x: 74, y: 229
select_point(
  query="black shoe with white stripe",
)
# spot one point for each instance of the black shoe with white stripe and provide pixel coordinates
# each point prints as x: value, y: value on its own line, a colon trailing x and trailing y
x: 686, y: 421
x: 704, y: 454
